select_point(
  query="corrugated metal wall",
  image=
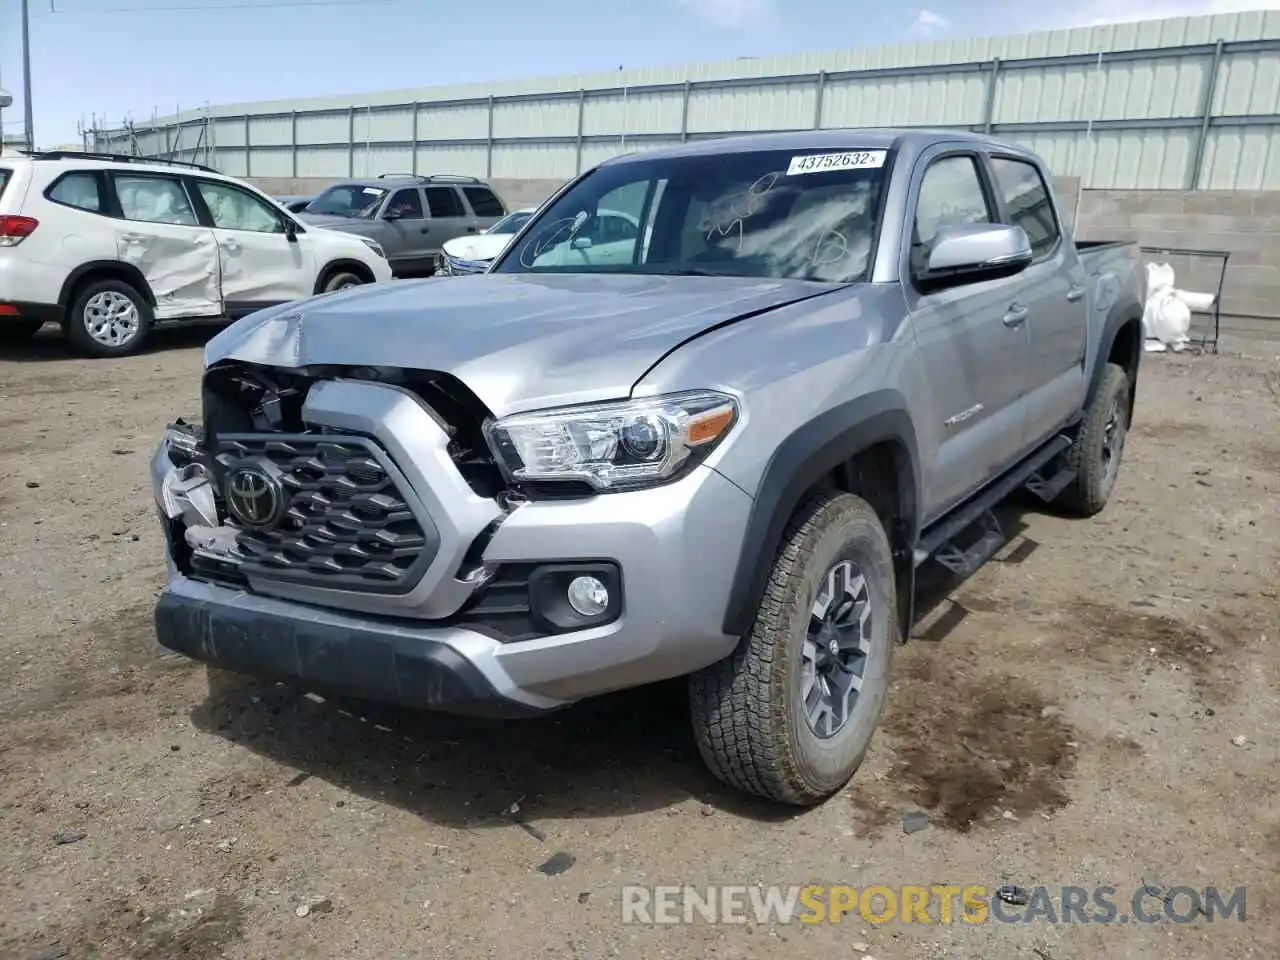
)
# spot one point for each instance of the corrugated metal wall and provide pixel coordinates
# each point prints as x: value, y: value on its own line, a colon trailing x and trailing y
x: 1185, y: 103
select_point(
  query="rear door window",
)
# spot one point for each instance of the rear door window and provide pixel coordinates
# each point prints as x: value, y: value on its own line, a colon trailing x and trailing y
x: 483, y: 202
x: 444, y: 202
x: 154, y: 200
x: 1026, y: 202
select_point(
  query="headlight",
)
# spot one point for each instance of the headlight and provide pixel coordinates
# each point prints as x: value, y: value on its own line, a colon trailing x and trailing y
x: 614, y: 446
x: 374, y: 246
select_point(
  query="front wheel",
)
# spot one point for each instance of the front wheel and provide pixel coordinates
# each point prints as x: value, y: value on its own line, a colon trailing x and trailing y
x: 341, y: 280
x: 790, y: 715
x: 108, y: 318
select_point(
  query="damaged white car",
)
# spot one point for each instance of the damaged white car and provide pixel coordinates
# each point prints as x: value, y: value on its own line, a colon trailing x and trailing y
x: 111, y: 246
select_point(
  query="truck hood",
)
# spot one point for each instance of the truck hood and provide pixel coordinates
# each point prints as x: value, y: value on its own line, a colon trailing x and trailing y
x: 332, y: 223
x: 518, y: 341
x: 485, y: 246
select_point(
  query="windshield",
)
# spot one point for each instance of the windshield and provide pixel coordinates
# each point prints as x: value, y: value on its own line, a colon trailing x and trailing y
x: 511, y: 223
x: 348, y: 200
x: 771, y: 214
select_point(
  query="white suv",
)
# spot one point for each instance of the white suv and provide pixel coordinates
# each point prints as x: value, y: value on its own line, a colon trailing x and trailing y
x: 109, y: 246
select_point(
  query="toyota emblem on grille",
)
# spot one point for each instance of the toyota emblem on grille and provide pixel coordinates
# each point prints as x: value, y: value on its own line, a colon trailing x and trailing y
x: 254, y: 496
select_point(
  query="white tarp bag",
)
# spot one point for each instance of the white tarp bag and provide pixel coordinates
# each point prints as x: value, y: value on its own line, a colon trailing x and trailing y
x: 1166, y: 318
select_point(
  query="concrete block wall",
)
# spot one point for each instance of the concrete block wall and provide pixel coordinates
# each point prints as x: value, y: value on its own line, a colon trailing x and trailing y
x: 1244, y: 223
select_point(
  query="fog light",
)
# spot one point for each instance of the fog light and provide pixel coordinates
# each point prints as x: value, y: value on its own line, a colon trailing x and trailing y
x: 588, y: 596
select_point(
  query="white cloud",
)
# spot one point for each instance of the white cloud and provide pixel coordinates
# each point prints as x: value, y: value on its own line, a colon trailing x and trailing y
x: 928, y: 20
x: 928, y: 24
x: 1094, y: 13
x: 731, y: 14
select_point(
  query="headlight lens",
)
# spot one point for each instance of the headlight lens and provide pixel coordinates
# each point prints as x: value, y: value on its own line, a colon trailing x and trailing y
x: 614, y: 446
x: 375, y: 247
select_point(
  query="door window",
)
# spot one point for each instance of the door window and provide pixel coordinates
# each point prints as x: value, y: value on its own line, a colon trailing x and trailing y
x: 950, y: 194
x: 234, y: 209
x: 405, y: 205
x: 483, y: 202
x: 444, y: 202
x: 1026, y: 202
x: 79, y: 190
x: 154, y: 200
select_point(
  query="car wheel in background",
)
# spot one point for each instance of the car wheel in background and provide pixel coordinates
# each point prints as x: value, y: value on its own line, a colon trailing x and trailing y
x: 108, y: 318
x: 341, y: 280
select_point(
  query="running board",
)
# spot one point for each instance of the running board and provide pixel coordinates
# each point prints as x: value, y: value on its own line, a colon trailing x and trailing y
x: 1047, y: 488
x: 937, y: 540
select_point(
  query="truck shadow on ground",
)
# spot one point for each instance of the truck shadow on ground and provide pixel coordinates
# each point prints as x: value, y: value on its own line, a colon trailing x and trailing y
x: 50, y: 346
x: 610, y: 756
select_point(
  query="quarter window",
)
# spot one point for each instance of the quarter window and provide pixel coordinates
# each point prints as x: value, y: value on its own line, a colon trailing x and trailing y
x: 1026, y: 201
x: 234, y: 209
x: 79, y: 190
x: 483, y: 202
x: 154, y: 200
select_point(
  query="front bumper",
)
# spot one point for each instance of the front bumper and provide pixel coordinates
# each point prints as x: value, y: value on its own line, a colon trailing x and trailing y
x: 676, y: 547
x: 453, y: 267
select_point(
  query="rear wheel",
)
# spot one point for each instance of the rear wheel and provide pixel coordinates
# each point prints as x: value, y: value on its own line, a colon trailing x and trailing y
x: 1099, y: 446
x: 790, y: 715
x: 19, y: 331
x: 108, y: 318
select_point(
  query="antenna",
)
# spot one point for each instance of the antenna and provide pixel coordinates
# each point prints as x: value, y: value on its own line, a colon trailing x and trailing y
x: 1088, y: 143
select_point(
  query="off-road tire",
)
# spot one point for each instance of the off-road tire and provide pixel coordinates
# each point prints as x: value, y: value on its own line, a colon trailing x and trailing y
x: 78, y: 335
x: 1091, y: 489
x: 340, y: 279
x: 19, y: 331
x: 746, y: 709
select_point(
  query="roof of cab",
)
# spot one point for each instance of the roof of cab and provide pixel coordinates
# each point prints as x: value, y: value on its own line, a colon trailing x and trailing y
x: 912, y: 139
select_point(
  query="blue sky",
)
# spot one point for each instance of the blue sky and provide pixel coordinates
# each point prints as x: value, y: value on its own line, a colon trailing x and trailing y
x: 113, y: 57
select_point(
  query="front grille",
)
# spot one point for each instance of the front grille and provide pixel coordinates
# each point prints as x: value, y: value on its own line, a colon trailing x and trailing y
x: 346, y: 521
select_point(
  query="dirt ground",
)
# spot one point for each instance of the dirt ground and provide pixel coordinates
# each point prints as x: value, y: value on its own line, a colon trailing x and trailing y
x: 1100, y: 706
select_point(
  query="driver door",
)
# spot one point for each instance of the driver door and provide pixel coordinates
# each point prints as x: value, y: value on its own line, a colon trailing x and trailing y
x: 974, y: 347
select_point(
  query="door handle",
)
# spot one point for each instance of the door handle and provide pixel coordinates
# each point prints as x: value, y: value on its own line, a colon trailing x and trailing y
x: 1015, y: 315
x: 131, y: 237
x: 231, y: 245
x: 1075, y: 293
x: 425, y: 230
x: 471, y: 229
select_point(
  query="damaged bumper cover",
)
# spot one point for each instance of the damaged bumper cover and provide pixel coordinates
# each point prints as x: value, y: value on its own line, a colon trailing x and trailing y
x: 447, y: 642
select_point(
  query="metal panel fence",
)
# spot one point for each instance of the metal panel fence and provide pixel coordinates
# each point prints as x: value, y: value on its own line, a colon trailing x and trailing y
x: 1194, y: 116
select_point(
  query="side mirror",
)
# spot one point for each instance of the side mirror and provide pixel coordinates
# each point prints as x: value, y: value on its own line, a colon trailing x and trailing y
x: 581, y: 243
x: 970, y: 252
x: 391, y: 215
x: 290, y: 230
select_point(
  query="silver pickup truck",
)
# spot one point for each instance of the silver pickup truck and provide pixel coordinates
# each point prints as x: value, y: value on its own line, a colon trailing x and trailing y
x: 718, y: 448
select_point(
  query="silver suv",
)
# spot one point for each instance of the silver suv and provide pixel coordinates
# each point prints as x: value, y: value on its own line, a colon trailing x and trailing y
x: 410, y: 217
x: 717, y: 446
